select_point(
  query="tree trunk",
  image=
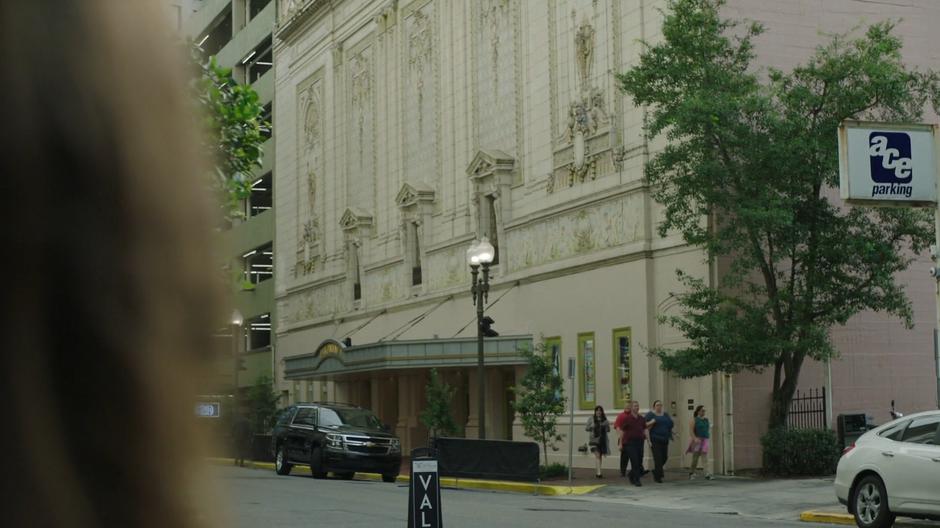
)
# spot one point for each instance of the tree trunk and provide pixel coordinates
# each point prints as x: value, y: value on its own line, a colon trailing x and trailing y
x: 545, y: 452
x: 782, y: 396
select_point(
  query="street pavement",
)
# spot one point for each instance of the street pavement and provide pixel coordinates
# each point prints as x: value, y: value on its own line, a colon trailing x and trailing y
x: 262, y: 498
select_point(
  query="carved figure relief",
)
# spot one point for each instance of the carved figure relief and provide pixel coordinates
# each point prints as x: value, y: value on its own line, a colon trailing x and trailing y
x: 587, y: 116
x: 361, y: 88
x: 420, y: 45
x: 308, y: 248
x: 584, y: 49
x: 493, y: 13
x: 288, y: 7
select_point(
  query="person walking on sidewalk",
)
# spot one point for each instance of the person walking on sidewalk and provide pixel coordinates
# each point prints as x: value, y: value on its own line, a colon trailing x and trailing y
x: 698, y: 446
x: 598, y: 426
x: 660, y: 433
x: 621, y: 445
x: 633, y: 436
x: 241, y: 439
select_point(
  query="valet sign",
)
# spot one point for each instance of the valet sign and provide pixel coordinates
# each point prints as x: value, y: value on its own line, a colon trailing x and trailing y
x: 888, y: 164
x: 424, y: 495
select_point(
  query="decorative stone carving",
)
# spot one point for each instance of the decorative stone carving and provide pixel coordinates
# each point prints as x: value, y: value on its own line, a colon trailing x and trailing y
x: 412, y: 194
x: 288, y: 8
x: 354, y: 219
x: 491, y: 172
x: 420, y: 46
x: 587, y: 118
x: 308, y: 248
x: 586, y: 114
x: 492, y: 14
x: 311, y: 98
x: 618, y: 156
x: 337, y: 52
x: 584, y: 49
x: 585, y: 170
x: 361, y: 93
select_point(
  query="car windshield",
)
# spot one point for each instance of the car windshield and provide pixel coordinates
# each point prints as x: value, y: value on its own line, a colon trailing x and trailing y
x: 349, y: 417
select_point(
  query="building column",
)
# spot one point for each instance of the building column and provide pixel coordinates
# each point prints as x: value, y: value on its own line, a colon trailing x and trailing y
x: 458, y: 380
x: 472, y: 428
x: 341, y: 391
x: 518, y: 432
x: 411, y: 401
x: 495, y: 405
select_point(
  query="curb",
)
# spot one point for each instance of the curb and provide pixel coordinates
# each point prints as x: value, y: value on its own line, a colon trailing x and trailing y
x: 493, y: 485
x: 827, y: 517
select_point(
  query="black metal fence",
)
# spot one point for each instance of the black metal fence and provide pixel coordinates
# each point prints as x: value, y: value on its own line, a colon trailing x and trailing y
x: 808, y: 410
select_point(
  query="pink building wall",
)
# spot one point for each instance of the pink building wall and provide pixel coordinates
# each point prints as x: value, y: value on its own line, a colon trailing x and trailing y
x: 879, y: 359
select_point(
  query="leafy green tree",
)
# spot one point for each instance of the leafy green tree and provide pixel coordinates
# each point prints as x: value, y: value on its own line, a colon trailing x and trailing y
x: 437, y: 416
x: 537, y: 400
x: 263, y: 401
x: 748, y: 171
x: 233, y: 130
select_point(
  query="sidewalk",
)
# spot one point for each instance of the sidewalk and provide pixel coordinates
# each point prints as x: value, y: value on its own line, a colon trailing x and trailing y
x: 806, y: 499
x: 780, y: 499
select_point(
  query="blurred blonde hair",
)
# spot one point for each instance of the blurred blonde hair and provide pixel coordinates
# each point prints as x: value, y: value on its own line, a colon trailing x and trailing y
x: 109, y: 302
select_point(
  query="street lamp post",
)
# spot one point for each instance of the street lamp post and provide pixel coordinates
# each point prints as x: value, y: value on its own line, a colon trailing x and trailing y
x: 480, y: 254
x: 236, y: 322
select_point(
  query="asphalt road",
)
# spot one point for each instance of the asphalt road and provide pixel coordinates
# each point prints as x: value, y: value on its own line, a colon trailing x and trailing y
x: 261, y: 498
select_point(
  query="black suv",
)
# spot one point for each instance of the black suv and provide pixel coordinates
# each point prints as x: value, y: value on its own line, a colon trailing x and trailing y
x: 334, y: 437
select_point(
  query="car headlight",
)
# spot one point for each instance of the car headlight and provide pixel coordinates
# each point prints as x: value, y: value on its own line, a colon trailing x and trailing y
x: 334, y: 441
x: 394, y: 445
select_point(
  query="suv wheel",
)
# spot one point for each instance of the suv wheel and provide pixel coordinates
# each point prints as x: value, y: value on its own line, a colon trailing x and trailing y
x: 870, y: 504
x: 281, y: 466
x: 389, y: 478
x: 316, y: 464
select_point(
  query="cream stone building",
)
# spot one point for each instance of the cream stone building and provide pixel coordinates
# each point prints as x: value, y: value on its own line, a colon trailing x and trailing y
x: 407, y: 129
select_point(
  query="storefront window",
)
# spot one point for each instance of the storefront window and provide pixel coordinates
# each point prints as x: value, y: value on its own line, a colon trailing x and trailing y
x: 623, y: 376
x: 587, y: 373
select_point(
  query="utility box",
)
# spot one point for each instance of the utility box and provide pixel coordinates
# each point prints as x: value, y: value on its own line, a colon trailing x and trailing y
x: 850, y: 427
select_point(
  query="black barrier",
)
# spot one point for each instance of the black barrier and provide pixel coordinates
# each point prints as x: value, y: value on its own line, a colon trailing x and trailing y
x: 488, y: 459
x: 424, y: 492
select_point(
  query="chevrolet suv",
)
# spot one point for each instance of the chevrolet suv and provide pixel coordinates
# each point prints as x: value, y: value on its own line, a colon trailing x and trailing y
x: 334, y: 437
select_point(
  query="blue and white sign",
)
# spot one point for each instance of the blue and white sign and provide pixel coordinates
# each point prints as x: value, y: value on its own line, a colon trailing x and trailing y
x: 208, y: 409
x: 887, y: 164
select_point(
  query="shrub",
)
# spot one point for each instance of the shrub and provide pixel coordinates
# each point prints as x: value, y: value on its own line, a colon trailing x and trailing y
x: 555, y: 469
x: 800, y: 451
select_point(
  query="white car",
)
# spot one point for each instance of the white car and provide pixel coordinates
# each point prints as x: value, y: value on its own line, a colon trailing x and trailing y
x: 893, y: 470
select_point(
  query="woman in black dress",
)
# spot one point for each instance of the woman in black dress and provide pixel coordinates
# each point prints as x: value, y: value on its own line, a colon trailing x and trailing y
x: 598, y: 427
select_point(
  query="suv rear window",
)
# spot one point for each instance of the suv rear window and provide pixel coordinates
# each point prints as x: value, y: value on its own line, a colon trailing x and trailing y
x: 352, y: 417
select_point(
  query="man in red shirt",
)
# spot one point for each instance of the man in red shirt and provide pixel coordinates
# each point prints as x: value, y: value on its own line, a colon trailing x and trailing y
x: 632, y: 437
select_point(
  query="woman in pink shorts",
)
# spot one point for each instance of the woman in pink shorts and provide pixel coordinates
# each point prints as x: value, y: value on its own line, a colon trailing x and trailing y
x: 701, y: 431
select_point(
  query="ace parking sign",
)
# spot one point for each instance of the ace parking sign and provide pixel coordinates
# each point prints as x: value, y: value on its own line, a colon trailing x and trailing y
x: 888, y: 164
